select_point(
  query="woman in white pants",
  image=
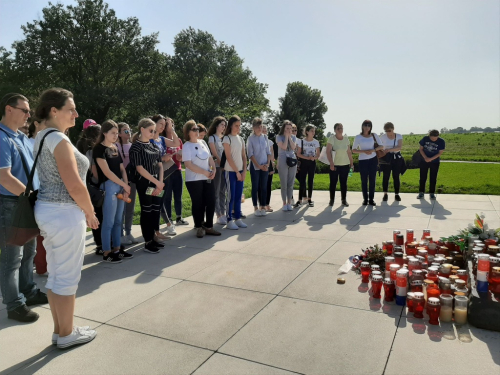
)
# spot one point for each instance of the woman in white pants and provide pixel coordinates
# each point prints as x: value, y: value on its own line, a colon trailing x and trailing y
x: 63, y: 211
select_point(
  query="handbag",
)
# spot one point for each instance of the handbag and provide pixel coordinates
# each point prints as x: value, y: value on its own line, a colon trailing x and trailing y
x: 24, y: 227
x: 96, y: 195
x: 417, y: 158
x: 290, y: 161
x: 323, y: 158
x: 380, y: 153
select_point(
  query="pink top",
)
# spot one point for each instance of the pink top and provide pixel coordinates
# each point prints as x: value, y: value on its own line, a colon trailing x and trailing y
x: 124, y: 151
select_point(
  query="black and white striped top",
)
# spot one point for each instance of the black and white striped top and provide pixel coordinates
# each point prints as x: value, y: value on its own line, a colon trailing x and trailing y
x: 146, y: 155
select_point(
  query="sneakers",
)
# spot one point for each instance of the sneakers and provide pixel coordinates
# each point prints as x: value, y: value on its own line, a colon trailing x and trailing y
x: 151, y: 248
x: 77, y: 337
x: 289, y: 207
x: 397, y: 198
x: 385, y: 198
x: 55, y: 336
x: 222, y: 220
x: 39, y: 298
x: 285, y: 208
x: 257, y: 213
x: 112, y: 258
x: 211, y: 232
x: 331, y: 202
x: 200, y: 232
x: 372, y: 203
x: 23, y: 314
x: 344, y: 203
x: 432, y: 196
x: 311, y: 203
x: 171, y: 230
x: 131, y: 238
x: 297, y: 204
x: 240, y: 223
x: 99, y: 251
x: 122, y: 254
x: 181, y: 221
x: 158, y: 244
x: 365, y: 202
x: 125, y: 241
x: 263, y: 212
x: 420, y: 196
x: 231, y: 225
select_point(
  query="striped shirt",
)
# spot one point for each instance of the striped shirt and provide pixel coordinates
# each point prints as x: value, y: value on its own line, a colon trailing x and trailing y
x: 146, y: 155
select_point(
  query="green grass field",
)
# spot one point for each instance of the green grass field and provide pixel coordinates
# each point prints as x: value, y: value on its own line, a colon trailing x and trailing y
x: 453, y: 178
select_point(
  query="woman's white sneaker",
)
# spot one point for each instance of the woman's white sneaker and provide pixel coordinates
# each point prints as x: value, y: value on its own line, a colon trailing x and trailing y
x: 77, y: 337
x: 240, y: 223
x: 257, y: 213
x: 263, y: 212
x: 222, y: 220
x: 231, y: 225
x: 55, y: 336
x: 171, y: 230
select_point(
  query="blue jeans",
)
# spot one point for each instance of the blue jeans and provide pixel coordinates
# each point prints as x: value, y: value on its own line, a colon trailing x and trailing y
x: 259, y: 186
x: 234, y: 191
x: 112, y: 216
x: 172, y: 184
x: 16, y: 262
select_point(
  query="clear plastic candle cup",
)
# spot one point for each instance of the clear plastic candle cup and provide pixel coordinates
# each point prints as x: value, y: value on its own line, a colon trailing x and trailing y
x: 461, y: 305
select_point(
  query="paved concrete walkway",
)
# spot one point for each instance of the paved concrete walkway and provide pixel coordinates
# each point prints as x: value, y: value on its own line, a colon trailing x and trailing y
x: 263, y: 300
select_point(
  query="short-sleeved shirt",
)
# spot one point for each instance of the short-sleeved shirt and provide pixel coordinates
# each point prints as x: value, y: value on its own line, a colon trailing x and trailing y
x: 146, y: 155
x: 199, y: 155
x: 258, y: 147
x: 366, y: 143
x: 286, y: 153
x: 390, y: 143
x: 340, y: 146
x: 308, y: 148
x: 218, y: 145
x: 10, y: 157
x: 52, y: 188
x: 124, y: 151
x: 112, y: 157
x: 236, y: 143
x: 432, y: 148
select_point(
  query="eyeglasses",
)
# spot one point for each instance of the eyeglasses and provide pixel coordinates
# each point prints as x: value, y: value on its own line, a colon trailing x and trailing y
x: 152, y: 131
x: 25, y: 111
x: 195, y: 129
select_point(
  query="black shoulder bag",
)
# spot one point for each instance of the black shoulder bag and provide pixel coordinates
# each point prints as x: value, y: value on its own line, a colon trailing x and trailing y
x: 223, y: 157
x: 291, y: 162
x: 24, y: 227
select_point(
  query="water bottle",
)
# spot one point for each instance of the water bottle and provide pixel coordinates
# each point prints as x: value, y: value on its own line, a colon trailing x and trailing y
x: 350, y: 172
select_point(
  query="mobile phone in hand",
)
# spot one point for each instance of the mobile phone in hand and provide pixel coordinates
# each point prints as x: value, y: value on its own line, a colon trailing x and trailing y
x: 149, y: 191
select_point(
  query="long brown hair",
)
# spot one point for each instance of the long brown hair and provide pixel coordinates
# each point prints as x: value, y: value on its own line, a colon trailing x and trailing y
x: 213, y: 126
x: 121, y: 125
x: 230, y: 123
x: 105, y: 127
x: 285, y: 123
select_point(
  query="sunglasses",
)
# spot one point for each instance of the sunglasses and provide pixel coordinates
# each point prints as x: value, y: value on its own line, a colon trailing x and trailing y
x: 126, y: 131
x: 367, y: 125
x: 195, y: 129
x: 25, y: 111
x: 294, y: 130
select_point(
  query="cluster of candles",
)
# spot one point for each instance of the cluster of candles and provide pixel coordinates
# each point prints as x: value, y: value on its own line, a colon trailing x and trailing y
x: 486, y: 265
x: 429, y: 275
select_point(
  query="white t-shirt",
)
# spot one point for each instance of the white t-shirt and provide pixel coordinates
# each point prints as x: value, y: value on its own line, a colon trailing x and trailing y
x: 199, y: 155
x: 308, y: 148
x: 218, y: 145
x: 389, y: 143
x: 362, y: 143
x: 236, y: 143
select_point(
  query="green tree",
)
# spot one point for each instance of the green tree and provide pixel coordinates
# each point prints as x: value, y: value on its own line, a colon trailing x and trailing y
x: 85, y: 48
x: 302, y: 105
x: 207, y: 78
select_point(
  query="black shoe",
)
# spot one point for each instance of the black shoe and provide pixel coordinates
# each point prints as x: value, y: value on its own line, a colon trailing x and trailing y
x: 344, y: 203
x: 243, y: 216
x: 98, y: 250
x: 365, y: 202
x: 112, y: 258
x: 311, y: 203
x: 151, y: 248
x: 397, y: 198
x: 332, y: 201
x: 297, y: 204
x: 372, y: 203
x: 122, y: 254
x: 157, y: 244
x: 385, y: 198
x: 39, y: 298
x: 23, y: 314
x: 181, y: 221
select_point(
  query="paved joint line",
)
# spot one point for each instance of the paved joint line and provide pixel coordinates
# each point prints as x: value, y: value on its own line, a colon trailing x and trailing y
x: 392, y: 344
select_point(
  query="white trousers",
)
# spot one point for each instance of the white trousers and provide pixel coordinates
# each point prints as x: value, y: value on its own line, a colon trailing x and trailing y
x: 63, y: 227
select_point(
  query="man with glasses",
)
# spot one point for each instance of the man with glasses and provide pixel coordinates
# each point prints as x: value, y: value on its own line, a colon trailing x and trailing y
x: 16, y: 160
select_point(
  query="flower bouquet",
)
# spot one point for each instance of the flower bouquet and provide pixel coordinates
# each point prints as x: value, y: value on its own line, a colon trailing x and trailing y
x: 373, y: 254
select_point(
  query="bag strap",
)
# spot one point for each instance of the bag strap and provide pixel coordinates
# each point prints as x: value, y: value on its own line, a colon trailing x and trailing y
x: 25, y: 165
x: 29, y: 184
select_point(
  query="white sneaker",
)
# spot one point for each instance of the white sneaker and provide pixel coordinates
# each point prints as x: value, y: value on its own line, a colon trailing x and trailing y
x: 240, y: 223
x: 231, y: 225
x: 125, y: 241
x: 131, y: 238
x: 55, y: 336
x: 77, y: 337
x: 285, y: 208
x: 289, y: 207
x: 221, y: 221
x: 257, y: 213
x: 263, y: 212
x: 171, y: 230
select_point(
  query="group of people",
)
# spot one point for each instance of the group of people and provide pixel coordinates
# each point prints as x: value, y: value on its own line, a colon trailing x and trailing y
x: 94, y: 185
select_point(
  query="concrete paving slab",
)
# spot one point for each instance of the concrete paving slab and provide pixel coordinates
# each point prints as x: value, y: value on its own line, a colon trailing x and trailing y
x: 252, y: 272
x: 122, y: 352
x: 177, y: 263
x: 467, y: 205
x: 315, y: 338
x: 370, y: 234
x: 462, y: 198
x: 230, y: 240
x: 104, y: 293
x: 441, y: 213
x: 374, y: 220
x: 449, y: 225
x: 297, y: 248
x: 341, y: 251
x: 475, y: 351
x: 333, y: 217
x: 24, y: 343
x: 319, y: 283
x: 307, y: 229
x: 402, y: 210
x: 198, y: 314
x: 220, y: 364
x: 264, y: 225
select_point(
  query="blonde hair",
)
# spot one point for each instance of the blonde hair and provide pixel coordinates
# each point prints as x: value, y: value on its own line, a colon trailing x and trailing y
x: 143, y: 124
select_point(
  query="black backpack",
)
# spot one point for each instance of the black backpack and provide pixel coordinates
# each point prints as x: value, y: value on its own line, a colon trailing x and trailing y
x: 223, y: 157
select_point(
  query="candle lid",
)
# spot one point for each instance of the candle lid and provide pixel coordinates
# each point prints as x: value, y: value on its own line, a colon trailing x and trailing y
x: 409, y: 231
x: 417, y: 272
x: 418, y: 295
x: 433, y: 269
x: 410, y: 295
x: 483, y: 256
x: 365, y: 264
x: 462, y: 272
x: 388, y: 281
x: 433, y: 301
x: 496, y: 269
x: 389, y: 259
x: 460, y: 283
x: 377, y: 278
x: 494, y: 260
x: 402, y: 272
x: 413, y: 262
x: 455, y: 268
x: 394, y: 267
x: 461, y: 298
x: 375, y: 267
x: 494, y: 247
x: 390, y: 242
x: 417, y: 282
x: 396, y: 231
x: 422, y: 251
x: 375, y: 273
x: 446, y: 296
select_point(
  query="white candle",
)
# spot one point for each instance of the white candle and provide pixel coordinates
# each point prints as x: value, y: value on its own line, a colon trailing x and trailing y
x: 446, y: 314
x: 460, y: 315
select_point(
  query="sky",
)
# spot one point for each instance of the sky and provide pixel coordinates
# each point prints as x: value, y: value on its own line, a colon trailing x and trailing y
x: 419, y: 64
